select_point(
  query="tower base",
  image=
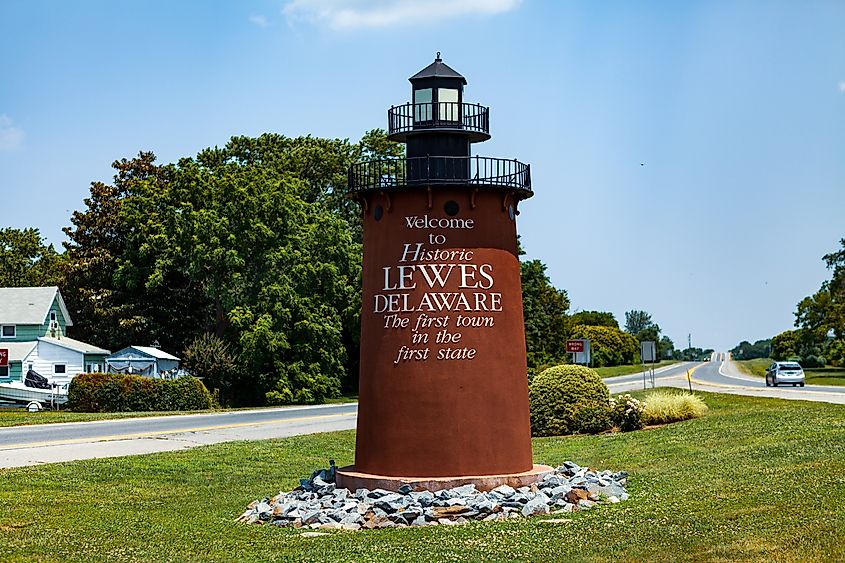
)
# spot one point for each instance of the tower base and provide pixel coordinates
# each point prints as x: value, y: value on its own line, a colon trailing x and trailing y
x: 348, y: 478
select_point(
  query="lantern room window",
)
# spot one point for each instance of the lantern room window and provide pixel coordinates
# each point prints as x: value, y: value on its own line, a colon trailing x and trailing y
x: 423, y: 104
x: 447, y: 101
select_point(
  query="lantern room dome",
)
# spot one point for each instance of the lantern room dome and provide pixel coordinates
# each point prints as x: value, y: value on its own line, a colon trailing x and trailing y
x: 438, y: 69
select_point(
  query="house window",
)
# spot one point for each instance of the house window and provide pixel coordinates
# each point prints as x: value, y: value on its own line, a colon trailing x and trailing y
x: 60, y: 369
x: 4, y: 371
x: 92, y: 368
x: 52, y: 315
x: 8, y: 331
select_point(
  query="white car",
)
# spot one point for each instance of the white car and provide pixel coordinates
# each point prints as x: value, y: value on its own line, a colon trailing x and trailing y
x: 784, y: 372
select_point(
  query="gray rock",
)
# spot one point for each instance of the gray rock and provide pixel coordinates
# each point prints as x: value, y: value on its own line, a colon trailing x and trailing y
x: 505, y: 490
x: 457, y: 501
x: 424, y: 498
x: 389, y: 503
x: 585, y: 504
x: 405, y: 489
x: 538, y: 505
x: 464, y: 490
x: 378, y: 493
x: 419, y: 521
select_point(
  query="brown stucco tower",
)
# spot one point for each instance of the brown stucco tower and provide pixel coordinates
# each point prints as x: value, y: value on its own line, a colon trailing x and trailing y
x: 443, y: 385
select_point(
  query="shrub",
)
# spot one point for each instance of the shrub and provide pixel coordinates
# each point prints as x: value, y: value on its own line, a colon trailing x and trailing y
x: 813, y: 362
x: 211, y: 358
x: 113, y: 392
x: 662, y: 407
x: 567, y: 399
x: 627, y: 413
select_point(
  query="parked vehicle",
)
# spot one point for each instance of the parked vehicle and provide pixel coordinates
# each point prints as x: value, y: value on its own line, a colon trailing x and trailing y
x: 784, y: 372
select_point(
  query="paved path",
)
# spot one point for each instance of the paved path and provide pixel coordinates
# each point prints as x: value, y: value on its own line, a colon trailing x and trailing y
x: 49, y: 443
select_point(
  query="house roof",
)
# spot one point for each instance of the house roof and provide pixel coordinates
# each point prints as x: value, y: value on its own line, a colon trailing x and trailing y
x: 30, y: 305
x: 18, y: 350
x: 75, y: 345
x: 146, y: 350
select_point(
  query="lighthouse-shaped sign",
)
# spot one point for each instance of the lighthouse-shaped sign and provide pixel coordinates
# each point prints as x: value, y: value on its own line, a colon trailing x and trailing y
x: 443, y: 386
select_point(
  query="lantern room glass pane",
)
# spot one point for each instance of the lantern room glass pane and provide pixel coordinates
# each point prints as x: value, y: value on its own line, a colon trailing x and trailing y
x: 422, y: 104
x: 447, y: 99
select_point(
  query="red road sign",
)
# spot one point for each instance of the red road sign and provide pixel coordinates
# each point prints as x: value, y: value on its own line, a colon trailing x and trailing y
x: 574, y: 346
x: 4, y: 357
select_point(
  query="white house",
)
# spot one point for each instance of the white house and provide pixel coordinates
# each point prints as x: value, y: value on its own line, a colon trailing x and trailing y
x: 33, y: 328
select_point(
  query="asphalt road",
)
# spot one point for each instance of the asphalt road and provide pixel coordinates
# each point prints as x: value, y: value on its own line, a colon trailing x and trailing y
x: 48, y: 443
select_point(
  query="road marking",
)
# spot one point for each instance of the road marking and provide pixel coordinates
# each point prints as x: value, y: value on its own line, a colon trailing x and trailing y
x: 166, y: 432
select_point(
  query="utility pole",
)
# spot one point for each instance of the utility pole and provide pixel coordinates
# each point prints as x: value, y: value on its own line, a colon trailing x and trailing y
x: 689, y: 345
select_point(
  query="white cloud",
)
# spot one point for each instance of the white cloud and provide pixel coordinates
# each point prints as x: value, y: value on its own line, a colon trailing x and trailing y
x: 351, y: 14
x: 260, y: 21
x: 10, y: 136
x: 842, y: 86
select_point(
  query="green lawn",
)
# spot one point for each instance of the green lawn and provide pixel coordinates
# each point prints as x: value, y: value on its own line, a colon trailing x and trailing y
x: 756, y: 367
x: 629, y: 369
x: 813, y: 376
x: 756, y: 479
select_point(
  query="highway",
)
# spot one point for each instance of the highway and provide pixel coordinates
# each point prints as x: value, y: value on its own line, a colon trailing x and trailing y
x: 49, y: 443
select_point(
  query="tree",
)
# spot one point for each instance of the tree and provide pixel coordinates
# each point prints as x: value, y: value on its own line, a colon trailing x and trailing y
x: 608, y: 346
x: 667, y: 348
x: 593, y: 318
x: 785, y: 345
x: 821, y: 316
x: 213, y: 360
x: 545, y: 312
x: 747, y: 351
x: 26, y: 261
x: 638, y: 321
x: 254, y: 242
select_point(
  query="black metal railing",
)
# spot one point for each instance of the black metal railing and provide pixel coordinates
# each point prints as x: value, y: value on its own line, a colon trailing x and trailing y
x: 429, y: 170
x: 441, y: 115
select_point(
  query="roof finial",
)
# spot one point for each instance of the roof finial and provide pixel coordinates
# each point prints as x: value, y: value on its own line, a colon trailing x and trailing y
x: 437, y: 58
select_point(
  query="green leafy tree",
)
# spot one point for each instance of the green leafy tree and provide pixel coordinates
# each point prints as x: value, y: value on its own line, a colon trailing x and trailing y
x: 593, y: 318
x: 26, y: 260
x: 638, y: 321
x: 667, y: 348
x: 609, y: 346
x: 545, y: 311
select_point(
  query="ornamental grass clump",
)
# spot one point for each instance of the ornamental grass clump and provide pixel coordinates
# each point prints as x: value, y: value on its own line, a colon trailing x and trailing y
x: 662, y: 407
x: 627, y: 413
x: 569, y: 399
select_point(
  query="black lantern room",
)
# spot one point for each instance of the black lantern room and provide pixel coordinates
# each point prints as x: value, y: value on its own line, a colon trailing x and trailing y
x: 438, y: 128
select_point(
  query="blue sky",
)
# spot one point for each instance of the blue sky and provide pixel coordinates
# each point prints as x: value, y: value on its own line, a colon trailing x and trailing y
x: 736, y: 109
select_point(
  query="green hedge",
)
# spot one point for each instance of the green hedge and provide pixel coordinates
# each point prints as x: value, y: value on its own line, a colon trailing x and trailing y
x: 569, y: 399
x: 113, y: 392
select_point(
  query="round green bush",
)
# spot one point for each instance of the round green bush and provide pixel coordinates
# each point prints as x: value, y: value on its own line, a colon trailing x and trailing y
x: 569, y: 399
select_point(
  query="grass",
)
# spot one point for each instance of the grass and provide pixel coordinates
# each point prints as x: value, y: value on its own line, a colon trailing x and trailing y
x: 614, y: 371
x: 755, y: 479
x: 813, y: 376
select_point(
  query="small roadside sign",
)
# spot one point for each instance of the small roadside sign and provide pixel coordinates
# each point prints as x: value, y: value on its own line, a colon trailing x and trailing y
x: 573, y: 346
x: 4, y: 357
x: 648, y: 351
